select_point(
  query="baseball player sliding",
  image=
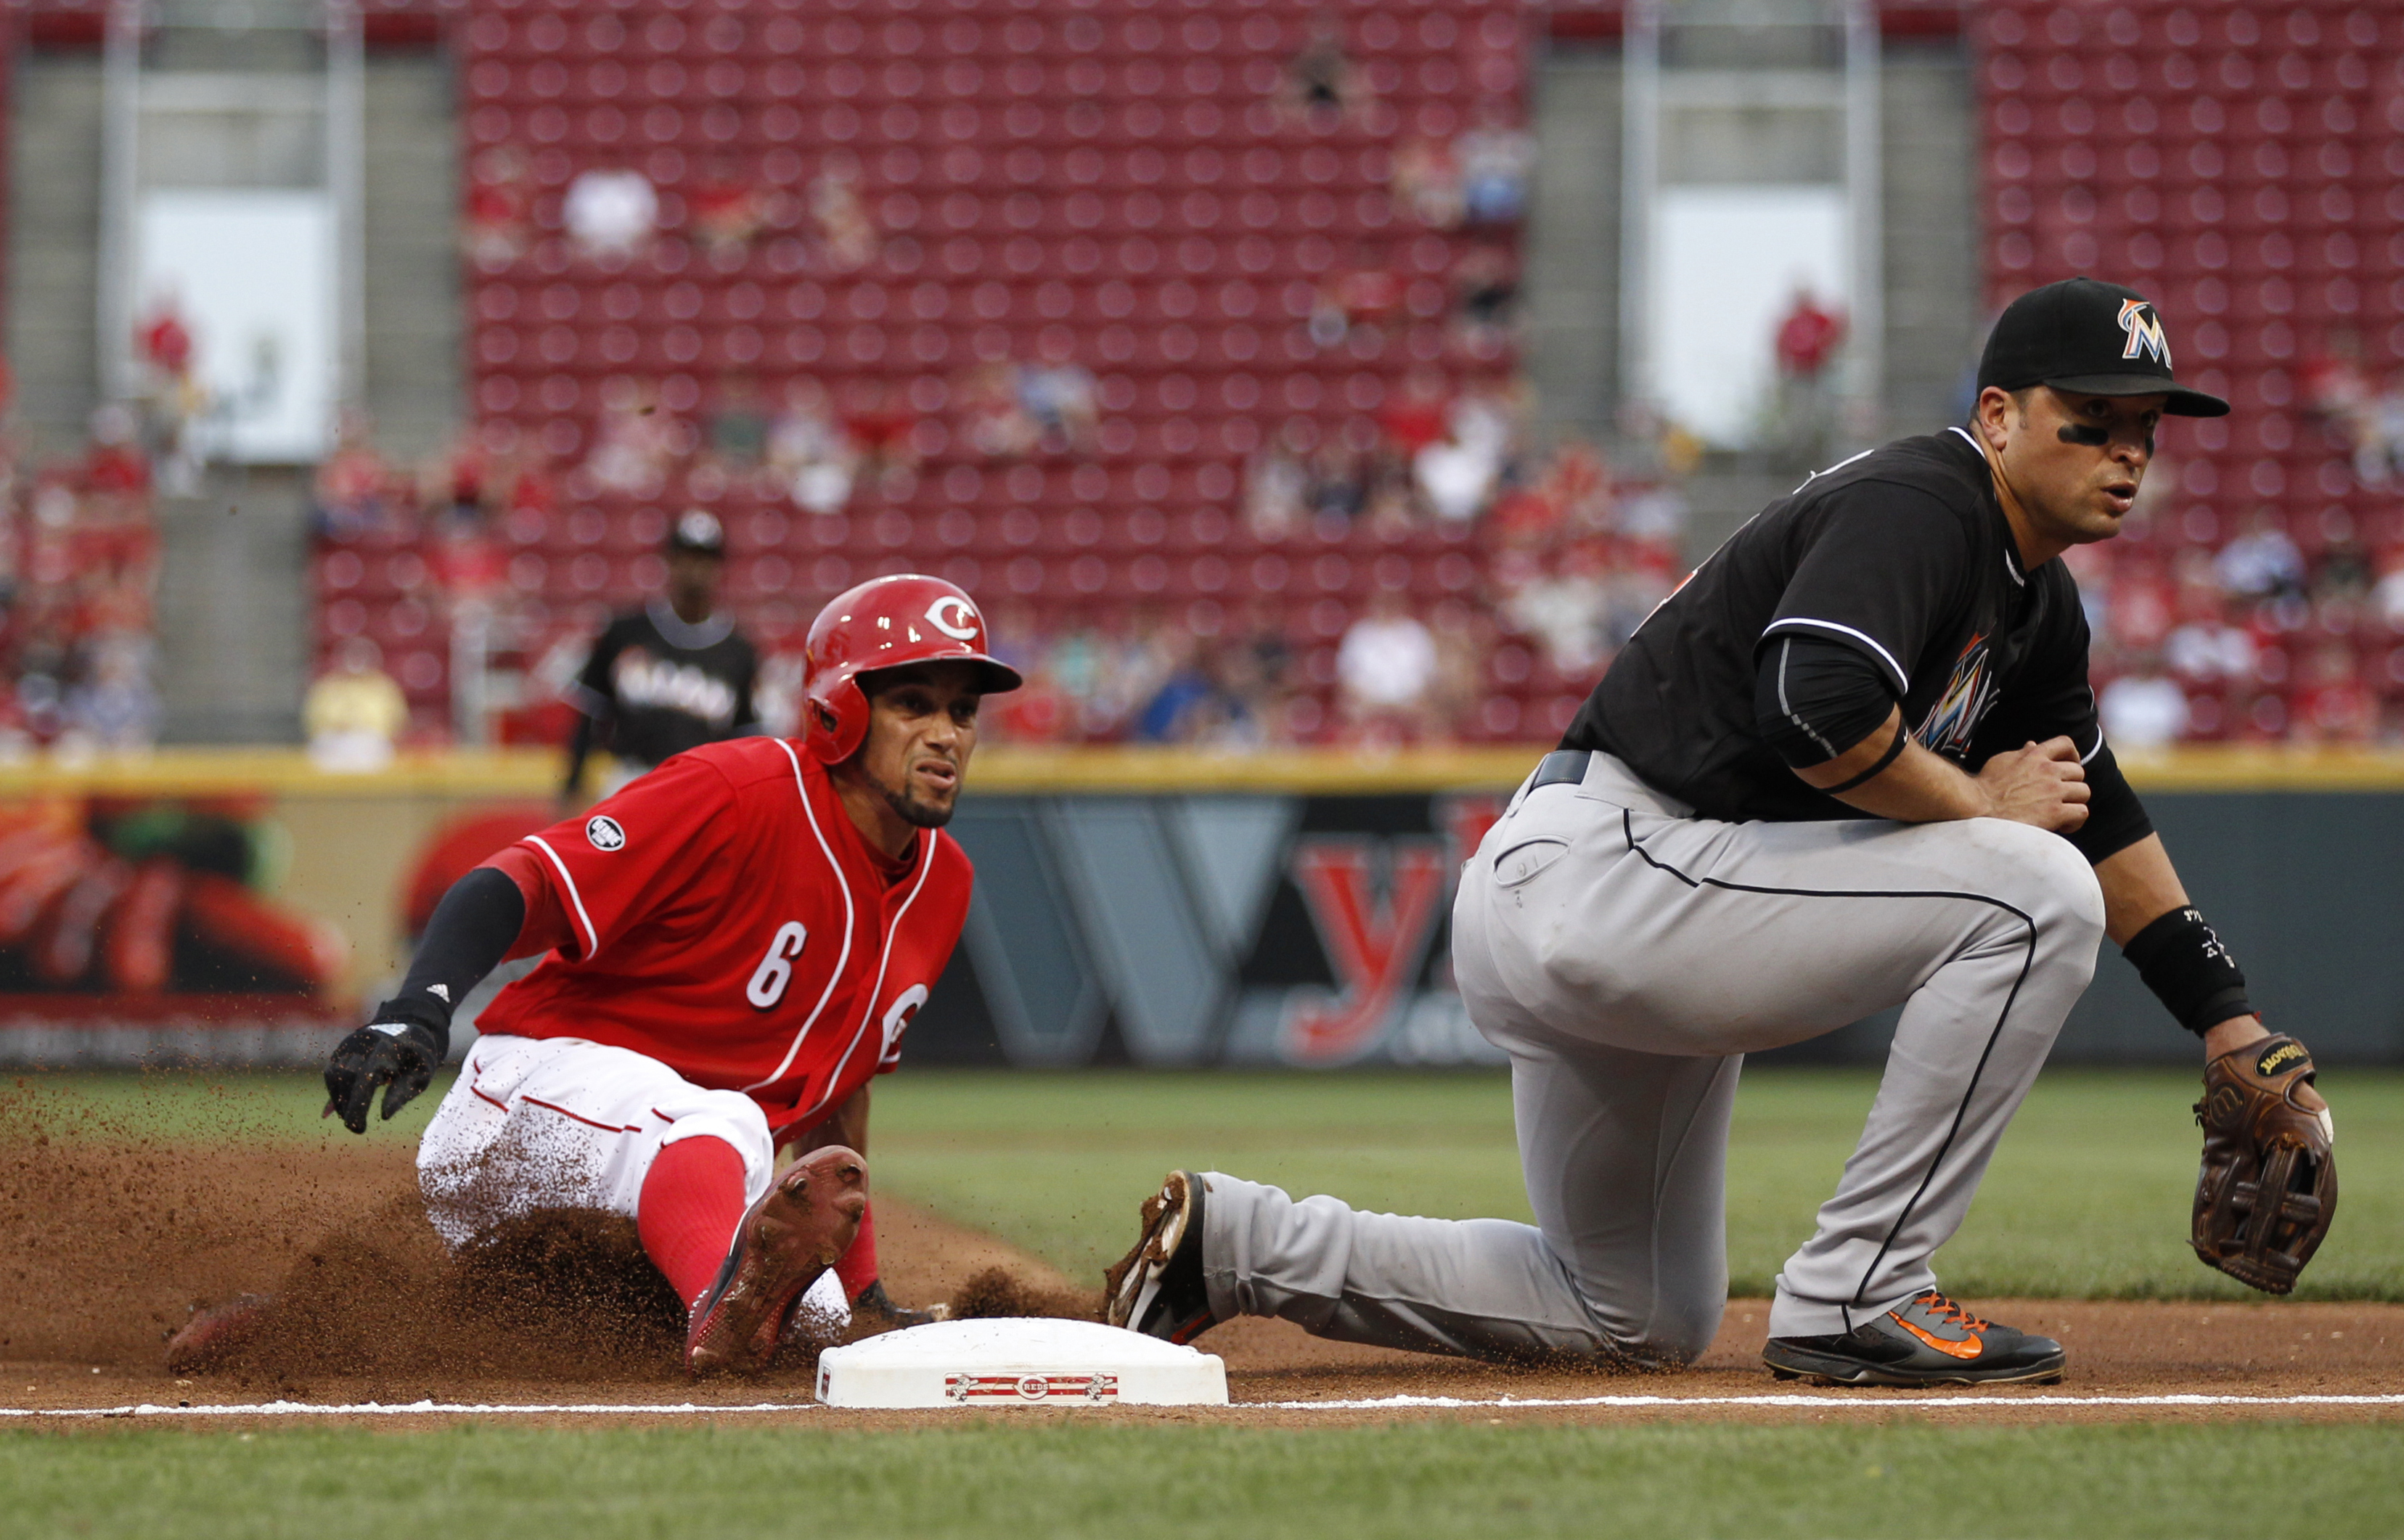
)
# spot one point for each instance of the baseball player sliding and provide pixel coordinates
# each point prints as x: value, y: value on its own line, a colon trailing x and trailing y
x: 1853, y: 762
x: 731, y: 947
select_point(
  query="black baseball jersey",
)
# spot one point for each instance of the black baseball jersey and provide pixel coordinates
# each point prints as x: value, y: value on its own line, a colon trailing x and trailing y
x: 656, y: 686
x: 1901, y: 553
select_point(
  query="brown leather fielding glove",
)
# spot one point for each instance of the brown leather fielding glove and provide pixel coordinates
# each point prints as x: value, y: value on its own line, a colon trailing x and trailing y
x: 2268, y: 1188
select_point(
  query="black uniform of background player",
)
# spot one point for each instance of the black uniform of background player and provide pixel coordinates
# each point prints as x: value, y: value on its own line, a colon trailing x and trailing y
x: 1890, y: 579
x: 659, y: 682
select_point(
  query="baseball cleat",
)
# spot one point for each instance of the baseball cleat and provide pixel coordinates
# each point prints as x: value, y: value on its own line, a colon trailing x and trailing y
x: 1928, y: 1341
x: 804, y: 1222
x: 1157, y: 1289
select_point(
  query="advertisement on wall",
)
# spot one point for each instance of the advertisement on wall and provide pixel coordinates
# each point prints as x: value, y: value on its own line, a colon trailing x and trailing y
x: 1253, y: 929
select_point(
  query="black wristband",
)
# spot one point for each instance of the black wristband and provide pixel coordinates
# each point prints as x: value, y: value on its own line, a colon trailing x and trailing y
x: 1902, y: 737
x: 418, y: 1011
x: 2188, y: 970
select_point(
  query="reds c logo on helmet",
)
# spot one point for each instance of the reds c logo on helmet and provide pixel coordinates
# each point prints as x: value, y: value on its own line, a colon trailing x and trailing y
x: 886, y: 622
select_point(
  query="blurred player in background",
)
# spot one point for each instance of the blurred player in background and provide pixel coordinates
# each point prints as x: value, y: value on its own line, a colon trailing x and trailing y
x: 731, y: 947
x: 672, y: 676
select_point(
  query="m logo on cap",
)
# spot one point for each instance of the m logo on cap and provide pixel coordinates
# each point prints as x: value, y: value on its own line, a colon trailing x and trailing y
x: 954, y: 617
x: 2145, y: 330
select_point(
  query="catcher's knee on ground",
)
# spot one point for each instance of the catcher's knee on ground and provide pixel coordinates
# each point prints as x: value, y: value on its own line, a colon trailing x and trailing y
x: 536, y: 1123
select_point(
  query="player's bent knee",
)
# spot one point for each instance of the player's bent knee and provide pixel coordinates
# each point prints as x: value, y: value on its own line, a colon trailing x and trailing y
x: 2044, y: 876
x: 731, y: 1117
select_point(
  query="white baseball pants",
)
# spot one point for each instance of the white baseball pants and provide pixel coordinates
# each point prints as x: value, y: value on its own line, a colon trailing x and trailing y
x: 1626, y: 954
x: 560, y: 1123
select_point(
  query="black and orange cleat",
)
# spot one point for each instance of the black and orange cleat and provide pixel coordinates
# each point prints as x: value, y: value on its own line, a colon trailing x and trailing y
x: 798, y: 1229
x: 1927, y: 1340
x: 1157, y: 1289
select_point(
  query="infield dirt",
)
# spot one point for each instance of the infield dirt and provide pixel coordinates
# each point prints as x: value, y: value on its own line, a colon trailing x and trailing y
x: 110, y: 1247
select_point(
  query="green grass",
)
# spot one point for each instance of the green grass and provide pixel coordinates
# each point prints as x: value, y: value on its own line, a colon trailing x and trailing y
x: 1087, y: 1477
x: 2087, y: 1198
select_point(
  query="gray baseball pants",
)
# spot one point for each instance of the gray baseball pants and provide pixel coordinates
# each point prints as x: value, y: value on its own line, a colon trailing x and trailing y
x: 1626, y: 954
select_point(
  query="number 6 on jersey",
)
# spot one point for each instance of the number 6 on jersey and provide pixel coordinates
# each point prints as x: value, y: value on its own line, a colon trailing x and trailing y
x: 776, y: 970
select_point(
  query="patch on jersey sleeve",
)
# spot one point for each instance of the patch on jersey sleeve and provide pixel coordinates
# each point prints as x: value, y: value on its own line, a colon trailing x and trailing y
x: 605, y: 832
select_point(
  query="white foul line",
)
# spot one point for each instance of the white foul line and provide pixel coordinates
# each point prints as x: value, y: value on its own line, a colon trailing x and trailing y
x: 1878, y: 1399
x: 1873, y: 1401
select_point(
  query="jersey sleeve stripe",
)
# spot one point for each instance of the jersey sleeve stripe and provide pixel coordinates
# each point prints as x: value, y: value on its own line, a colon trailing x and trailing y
x: 592, y: 937
x: 1902, y: 679
x: 867, y: 1014
x: 1786, y: 651
x: 843, y: 885
x: 2097, y: 750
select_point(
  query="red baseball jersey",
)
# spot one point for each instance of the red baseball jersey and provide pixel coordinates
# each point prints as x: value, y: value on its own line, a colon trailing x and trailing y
x: 723, y: 916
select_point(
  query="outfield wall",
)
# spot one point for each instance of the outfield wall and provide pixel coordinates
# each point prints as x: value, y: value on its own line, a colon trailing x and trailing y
x: 1143, y: 907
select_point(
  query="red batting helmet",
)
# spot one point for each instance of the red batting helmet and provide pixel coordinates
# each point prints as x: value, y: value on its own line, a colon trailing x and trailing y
x: 884, y: 623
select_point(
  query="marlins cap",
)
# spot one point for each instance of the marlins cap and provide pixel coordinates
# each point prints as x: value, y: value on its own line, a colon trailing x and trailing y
x: 2085, y: 335
x: 699, y: 532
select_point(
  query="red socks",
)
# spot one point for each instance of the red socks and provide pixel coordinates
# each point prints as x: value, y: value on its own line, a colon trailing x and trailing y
x: 691, y: 1201
x: 857, y: 1270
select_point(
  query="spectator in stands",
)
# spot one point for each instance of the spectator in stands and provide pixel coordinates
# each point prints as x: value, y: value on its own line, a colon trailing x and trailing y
x: 611, y: 215
x: 1495, y: 160
x: 1386, y: 668
x: 1427, y: 183
x: 2338, y: 391
x: 1321, y: 83
x: 2205, y: 648
x: 2145, y: 708
x: 1457, y: 476
x: 349, y: 489
x: 1057, y: 395
x: 114, y: 708
x: 848, y: 236
x: 1276, y: 489
x: 2332, y: 706
x: 114, y: 466
x: 634, y: 443
x: 2263, y: 563
x: 881, y: 424
x: 1338, y: 487
x: 726, y: 211
x: 1190, y: 706
x: 354, y: 712
x: 1414, y: 416
x: 1465, y: 643
x: 1369, y: 293
x: 994, y: 418
x: 1564, y: 607
x: 671, y: 676
x: 809, y: 453
x: 1486, y: 294
x: 1803, y: 410
x: 738, y: 424
x: 2387, y: 591
x: 176, y: 399
x: 495, y: 230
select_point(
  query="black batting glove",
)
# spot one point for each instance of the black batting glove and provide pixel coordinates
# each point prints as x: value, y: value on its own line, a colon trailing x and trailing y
x: 397, y: 1050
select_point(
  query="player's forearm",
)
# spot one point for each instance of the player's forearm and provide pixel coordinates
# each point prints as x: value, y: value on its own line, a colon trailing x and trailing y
x: 1915, y: 786
x: 471, y: 931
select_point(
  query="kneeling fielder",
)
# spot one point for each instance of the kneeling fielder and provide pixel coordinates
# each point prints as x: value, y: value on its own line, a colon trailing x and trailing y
x: 1691, y: 877
x: 735, y: 944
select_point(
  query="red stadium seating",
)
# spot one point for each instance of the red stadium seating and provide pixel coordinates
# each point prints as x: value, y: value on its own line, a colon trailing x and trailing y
x: 1113, y: 181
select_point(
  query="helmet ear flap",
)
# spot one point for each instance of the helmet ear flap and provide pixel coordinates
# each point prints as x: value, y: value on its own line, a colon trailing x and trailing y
x: 838, y: 722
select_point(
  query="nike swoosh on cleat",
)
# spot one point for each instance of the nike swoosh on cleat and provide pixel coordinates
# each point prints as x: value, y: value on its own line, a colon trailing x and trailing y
x: 1969, y: 1348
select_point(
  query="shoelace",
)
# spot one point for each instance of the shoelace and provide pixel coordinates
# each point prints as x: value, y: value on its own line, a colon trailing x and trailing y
x: 1939, y: 1304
